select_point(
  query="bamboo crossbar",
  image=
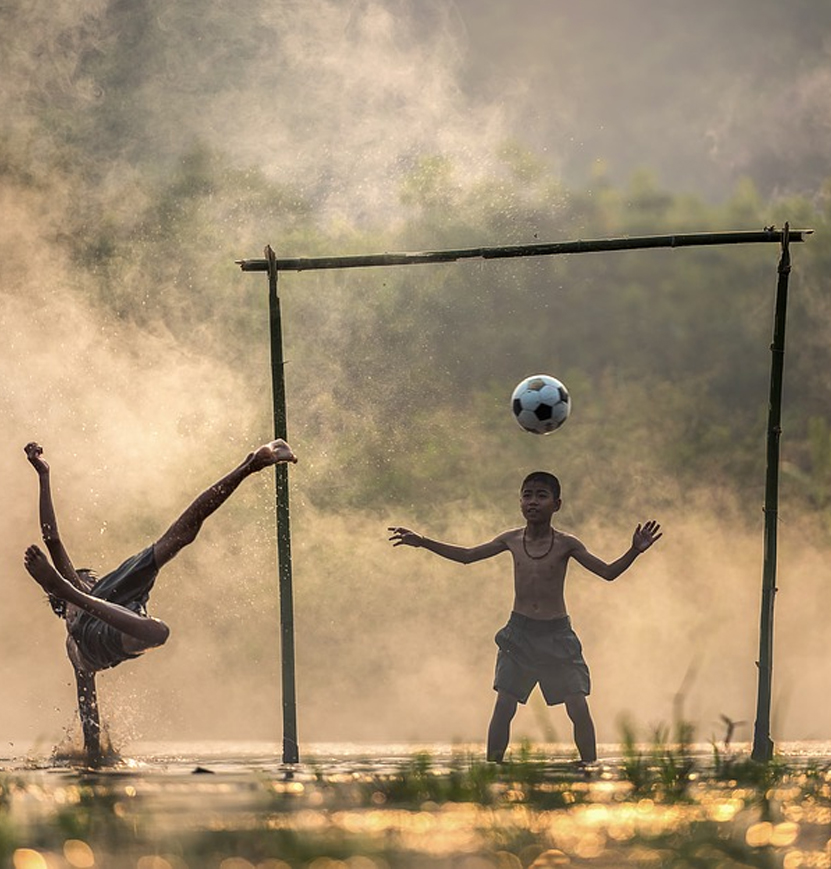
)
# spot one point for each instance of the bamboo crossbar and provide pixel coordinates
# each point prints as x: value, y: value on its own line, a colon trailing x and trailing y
x: 695, y: 239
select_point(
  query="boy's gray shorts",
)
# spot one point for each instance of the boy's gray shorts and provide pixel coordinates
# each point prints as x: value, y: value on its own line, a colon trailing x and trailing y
x: 544, y: 651
x: 128, y: 585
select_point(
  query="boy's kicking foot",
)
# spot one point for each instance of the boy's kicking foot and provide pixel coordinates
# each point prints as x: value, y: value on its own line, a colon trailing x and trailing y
x: 272, y: 454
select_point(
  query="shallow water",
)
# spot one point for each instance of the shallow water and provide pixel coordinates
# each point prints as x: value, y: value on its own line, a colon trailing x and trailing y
x: 230, y: 756
x: 352, y: 806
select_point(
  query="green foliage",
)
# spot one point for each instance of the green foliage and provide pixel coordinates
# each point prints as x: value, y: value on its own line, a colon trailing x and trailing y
x: 403, y: 375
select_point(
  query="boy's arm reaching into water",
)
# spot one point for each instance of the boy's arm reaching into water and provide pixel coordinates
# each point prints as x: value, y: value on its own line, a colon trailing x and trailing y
x: 48, y: 522
x: 461, y: 554
x: 642, y: 539
x: 88, y: 710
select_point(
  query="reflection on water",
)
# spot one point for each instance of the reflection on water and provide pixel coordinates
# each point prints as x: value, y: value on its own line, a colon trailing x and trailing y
x: 381, y: 807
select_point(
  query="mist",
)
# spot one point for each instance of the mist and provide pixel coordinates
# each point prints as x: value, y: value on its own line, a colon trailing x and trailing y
x: 146, y: 146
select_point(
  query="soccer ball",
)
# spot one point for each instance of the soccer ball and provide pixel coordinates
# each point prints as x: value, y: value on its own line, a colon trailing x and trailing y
x: 541, y: 404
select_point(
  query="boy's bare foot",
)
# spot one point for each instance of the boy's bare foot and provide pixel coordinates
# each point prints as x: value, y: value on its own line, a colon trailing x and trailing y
x: 41, y: 570
x: 272, y: 454
x: 585, y: 768
x: 34, y: 453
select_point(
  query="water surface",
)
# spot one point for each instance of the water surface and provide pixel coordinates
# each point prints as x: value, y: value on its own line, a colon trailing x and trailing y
x: 355, y: 806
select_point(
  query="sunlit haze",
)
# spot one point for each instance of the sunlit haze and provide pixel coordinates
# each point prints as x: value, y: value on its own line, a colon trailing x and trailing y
x: 146, y: 146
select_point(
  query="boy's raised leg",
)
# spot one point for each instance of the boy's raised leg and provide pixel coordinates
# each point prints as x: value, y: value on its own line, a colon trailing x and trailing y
x: 185, y: 529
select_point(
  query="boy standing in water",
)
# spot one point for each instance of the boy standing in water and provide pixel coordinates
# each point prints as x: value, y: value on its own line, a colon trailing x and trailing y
x: 106, y: 619
x: 538, y: 645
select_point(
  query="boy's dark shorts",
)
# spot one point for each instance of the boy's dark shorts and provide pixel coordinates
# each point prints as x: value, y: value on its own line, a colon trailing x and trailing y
x: 544, y: 651
x: 128, y: 585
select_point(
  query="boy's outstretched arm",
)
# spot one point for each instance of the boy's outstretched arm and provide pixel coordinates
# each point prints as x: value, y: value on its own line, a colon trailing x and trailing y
x: 48, y: 522
x: 461, y: 554
x: 645, y: 535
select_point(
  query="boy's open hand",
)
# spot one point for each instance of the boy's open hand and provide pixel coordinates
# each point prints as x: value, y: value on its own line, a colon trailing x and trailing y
x: 404, y: 537
x: 34, y: 453
x: 646, y: 535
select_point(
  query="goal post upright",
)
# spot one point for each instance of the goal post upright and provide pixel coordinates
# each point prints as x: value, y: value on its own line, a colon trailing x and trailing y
x: 278, y: 388
x: 762, y: 743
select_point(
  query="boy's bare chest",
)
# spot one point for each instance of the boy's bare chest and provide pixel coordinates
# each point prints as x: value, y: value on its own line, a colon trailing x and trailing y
x: 539, y: 573
x: 539, y: 560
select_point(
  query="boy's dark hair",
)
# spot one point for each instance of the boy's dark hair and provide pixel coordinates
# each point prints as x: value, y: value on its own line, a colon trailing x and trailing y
x: 58, y: 606
x: 547, y: 479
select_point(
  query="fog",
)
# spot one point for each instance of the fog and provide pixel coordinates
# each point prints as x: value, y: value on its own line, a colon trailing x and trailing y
x: 335, y: 103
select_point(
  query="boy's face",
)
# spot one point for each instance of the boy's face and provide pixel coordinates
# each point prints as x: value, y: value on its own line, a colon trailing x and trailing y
x: 537, y: 501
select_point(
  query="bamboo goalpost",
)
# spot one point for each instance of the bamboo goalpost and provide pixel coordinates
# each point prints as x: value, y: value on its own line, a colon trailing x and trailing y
x: 762, y: 743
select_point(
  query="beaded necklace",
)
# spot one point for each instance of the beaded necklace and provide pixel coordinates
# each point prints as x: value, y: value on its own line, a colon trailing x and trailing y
x: 537, y: 557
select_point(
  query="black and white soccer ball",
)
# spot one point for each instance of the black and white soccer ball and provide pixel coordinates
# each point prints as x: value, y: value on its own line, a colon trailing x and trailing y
x: 540, y: 404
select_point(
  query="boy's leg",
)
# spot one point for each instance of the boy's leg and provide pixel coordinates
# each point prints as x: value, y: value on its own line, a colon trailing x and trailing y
x: 141, y: 632
x: 499, y: 730
x: 184, y: 530
x: 577, y: 708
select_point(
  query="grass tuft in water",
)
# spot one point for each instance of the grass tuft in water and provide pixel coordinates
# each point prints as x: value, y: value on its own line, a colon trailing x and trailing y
x: 527, y: 778
x: 419, y: 781
x: 663, y: 770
